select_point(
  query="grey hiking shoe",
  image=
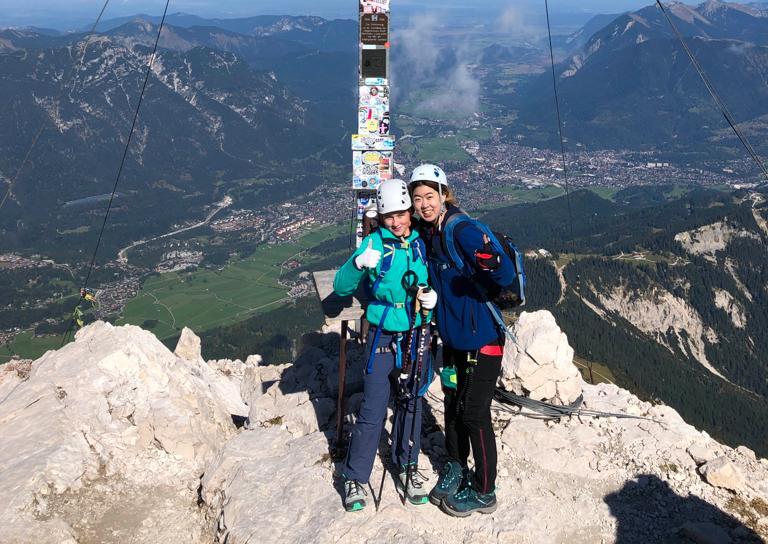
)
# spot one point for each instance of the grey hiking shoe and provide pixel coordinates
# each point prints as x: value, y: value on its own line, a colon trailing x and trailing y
x: 451, y: 477
x: 354, y: 496
x: 411, y: 482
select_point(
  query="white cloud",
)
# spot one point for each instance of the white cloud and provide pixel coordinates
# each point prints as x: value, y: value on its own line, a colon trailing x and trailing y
x: 521, y: 22
x: 417, y: 65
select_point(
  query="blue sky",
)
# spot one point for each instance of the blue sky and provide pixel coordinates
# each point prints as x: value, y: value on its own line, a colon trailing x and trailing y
x: 64, y: 12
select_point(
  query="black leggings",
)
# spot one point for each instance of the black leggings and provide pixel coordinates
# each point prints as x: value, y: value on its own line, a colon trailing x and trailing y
x: 468, y: 414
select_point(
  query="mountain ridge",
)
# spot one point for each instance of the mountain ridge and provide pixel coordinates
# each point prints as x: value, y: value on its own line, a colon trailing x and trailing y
x: 630, y: 86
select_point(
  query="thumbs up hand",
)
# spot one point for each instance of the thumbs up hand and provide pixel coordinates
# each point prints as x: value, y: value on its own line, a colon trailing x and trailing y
x: 369, y: 258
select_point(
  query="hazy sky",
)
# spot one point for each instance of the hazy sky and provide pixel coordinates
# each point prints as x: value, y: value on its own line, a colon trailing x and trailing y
x: 64, y: 12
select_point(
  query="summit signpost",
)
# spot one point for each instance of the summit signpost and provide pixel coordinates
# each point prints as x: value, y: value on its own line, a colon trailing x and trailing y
x: 372, y: 146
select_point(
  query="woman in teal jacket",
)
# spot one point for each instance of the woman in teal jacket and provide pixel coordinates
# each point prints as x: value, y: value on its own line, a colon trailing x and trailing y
x: 391, y: 260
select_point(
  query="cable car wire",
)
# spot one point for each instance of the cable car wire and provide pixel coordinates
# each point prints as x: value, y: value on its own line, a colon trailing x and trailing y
x: 715, y: 96
x: 84, y: 287
x: 560, y: 129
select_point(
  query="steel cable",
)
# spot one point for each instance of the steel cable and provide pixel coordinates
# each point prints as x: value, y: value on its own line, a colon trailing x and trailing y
x: 714, y: 94
x: 119, y: 170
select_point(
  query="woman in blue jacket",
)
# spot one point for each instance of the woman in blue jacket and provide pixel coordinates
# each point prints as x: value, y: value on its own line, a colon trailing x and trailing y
x: 393, y: 263
x: 472, y: 342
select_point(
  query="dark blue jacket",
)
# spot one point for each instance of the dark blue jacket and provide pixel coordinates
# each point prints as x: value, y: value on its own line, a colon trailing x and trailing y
x: 464, y: 321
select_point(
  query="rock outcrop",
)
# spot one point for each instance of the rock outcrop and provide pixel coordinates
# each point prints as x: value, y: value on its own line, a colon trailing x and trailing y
x: 539, y: 364
x: 111, y: 430
x: 663, y: 316
x: 116, y: 439
x: 710, y: 239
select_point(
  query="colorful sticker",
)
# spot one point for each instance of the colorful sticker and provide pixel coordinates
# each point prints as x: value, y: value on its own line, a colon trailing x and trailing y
x: 374, y: 6
x: 373, y: 113
x: 365, y: 199
x: 370, y: 168
x: 363, y: 142
x: 377, y: 81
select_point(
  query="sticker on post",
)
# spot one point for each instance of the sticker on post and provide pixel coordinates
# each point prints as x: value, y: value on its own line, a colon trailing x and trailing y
x: 374, y: 6
x: 373, y: 113
x: 380, y: 142
x: 370, y: 168
x: 365, y: 201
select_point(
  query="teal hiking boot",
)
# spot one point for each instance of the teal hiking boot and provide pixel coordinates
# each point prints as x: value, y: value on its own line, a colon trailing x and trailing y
x: 451, y: 477
x: 467, y: 500
x: 354, y: 496
x: 411, y: 482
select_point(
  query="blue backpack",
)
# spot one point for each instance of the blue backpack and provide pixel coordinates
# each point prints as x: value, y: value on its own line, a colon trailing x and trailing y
x: 512, y: 295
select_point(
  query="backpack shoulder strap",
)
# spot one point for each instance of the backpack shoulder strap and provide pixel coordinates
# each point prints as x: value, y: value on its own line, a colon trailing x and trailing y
x: 390, y: 247
x: 448, y: 239
x: 419, y: 249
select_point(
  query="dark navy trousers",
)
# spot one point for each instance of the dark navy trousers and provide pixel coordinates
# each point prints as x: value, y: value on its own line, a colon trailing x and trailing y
x: 378, y: 384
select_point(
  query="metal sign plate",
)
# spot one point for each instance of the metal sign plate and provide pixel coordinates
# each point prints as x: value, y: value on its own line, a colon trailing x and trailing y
x: 373, y: 63
x: 374, y: 29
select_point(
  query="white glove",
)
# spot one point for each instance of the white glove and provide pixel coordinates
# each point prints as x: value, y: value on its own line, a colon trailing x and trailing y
x: 428, y: 299
x: 368, y: 258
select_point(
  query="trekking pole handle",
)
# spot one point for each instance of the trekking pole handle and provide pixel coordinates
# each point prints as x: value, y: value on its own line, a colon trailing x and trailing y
x: 422, y: 289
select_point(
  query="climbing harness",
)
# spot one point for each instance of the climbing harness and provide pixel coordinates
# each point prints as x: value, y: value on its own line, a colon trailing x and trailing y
x: 410, y: 279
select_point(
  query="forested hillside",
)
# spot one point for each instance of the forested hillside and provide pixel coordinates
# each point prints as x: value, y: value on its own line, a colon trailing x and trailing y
x: 671, y: 295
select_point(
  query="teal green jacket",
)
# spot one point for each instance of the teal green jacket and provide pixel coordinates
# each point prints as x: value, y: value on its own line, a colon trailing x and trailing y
x: 390, y: 289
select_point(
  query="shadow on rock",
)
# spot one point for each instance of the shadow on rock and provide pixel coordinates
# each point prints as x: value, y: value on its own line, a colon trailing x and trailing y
x: 301, y: 396
x: 648, y: 511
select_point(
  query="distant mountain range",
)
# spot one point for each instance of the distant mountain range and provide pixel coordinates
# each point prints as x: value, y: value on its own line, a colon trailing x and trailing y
x: 219, y: 106
x: 312, y: 32
x: 631, y: 85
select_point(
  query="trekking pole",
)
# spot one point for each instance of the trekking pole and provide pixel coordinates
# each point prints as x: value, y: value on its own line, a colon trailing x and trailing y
x: 411, y: 287
x: 417, y: 387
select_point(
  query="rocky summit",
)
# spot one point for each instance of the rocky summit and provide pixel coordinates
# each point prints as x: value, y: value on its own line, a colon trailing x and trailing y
x: 115, y: 439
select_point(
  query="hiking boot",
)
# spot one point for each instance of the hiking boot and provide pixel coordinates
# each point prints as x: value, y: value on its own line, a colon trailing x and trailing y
x: 451, y: 477
x: 354, y: 496
x: 467, y: 500
x: 411, y: 483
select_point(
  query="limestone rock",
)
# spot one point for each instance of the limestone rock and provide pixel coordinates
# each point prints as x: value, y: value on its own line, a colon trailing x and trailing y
x: 723, y: 473
x: 117, y: 405
x: 107, y: 439
x: 540, y: 363
x: 189, y: 346
x: 701, y: 453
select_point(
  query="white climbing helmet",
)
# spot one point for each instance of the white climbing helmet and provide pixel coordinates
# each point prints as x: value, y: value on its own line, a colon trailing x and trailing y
x: 429, y: 172
x: 392, y: 196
